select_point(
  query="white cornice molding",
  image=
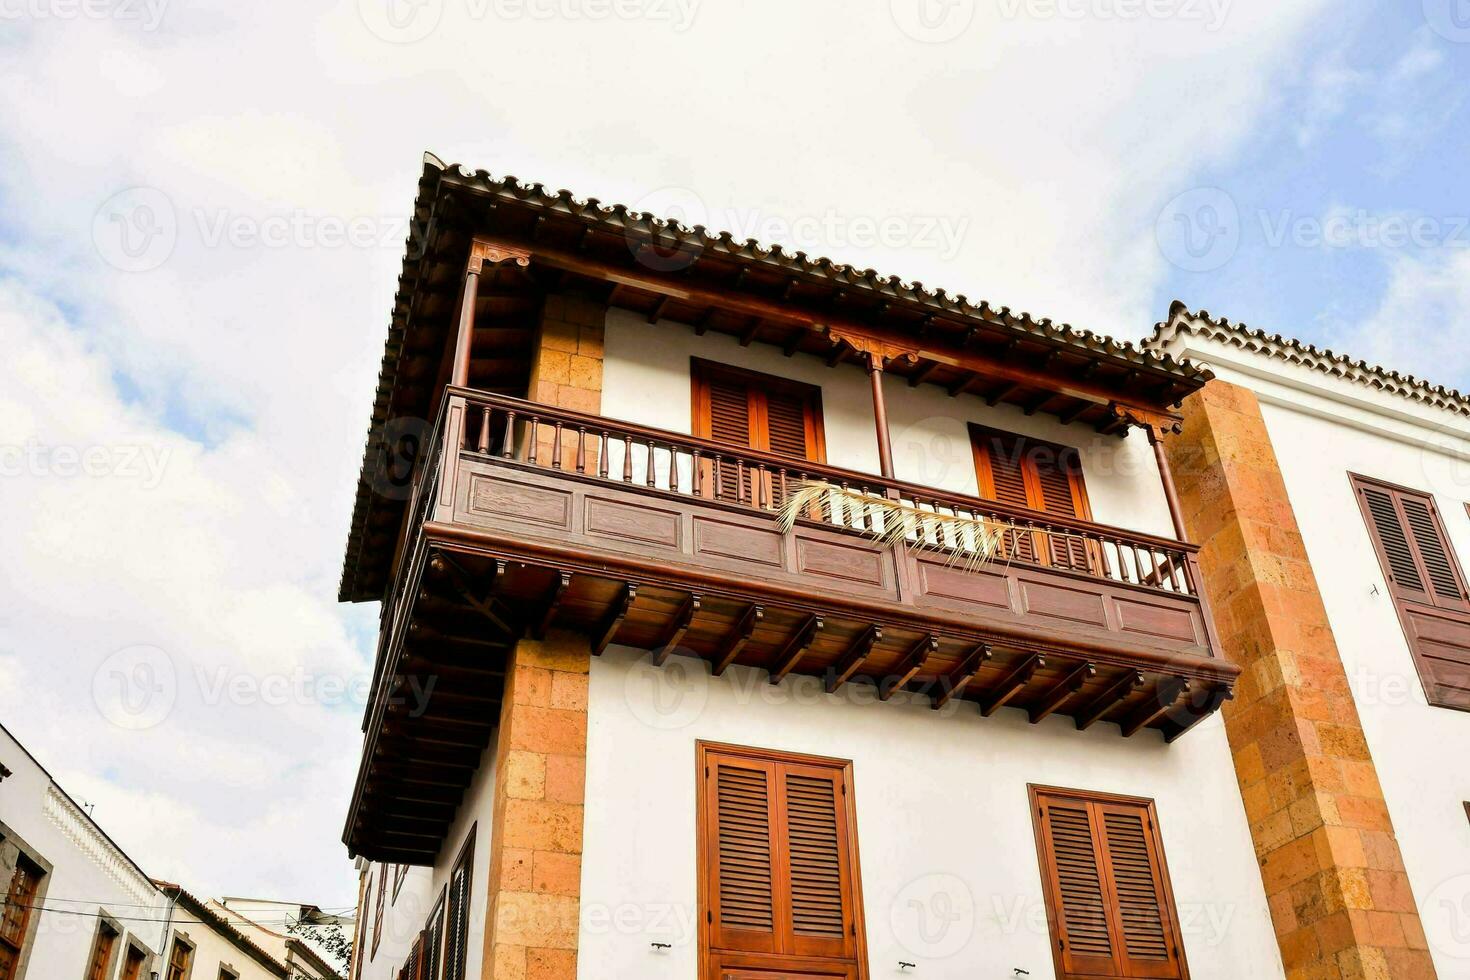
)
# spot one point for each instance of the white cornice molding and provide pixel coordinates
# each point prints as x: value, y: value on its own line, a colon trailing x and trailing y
x: 78, y: 828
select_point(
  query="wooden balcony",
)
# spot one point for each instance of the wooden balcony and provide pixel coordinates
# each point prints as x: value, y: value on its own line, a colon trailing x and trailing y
x: 524, y: 517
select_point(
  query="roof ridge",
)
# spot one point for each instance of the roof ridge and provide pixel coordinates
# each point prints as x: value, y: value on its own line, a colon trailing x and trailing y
x: 1356, y: 369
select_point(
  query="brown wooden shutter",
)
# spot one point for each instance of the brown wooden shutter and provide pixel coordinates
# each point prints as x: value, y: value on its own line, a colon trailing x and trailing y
x: 1040, y: 476
x: 1426, y: 584
x: 757, y: 411
x: 1107, y: 896
x: 779, y: 877
x: 102, y: 952
x: 133, y: 964
x: 456, y: 942
x: 729, y: 412
x: 787, y: 423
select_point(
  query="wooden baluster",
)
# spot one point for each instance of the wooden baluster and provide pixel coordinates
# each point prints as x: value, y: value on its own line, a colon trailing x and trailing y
x: 719, y: 477
x: 581, y: 449
x: 1181, y: 583
x: 508, y: 441
x: 627, y: 459
x: 783, y: 487
x: 484, y: 445
x: 556, y: 446
x: 602, y: 456
x: 758, y: 487
x: 696, y: 476
x: 649, y: 475
x: 673, y: 468
x: 533, y: 451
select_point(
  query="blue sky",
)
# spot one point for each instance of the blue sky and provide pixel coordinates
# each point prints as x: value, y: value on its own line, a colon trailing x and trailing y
x: 1042, y: 154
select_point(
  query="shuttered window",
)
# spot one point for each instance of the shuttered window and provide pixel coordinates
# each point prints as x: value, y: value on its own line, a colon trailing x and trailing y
x: 133, y: 964
x: 102, y: 949
x: 779, y: 860
x: 757, y: 411
x: 378, y: 908
x: 15, y: 921
x: 1108, y: 898
x: 1426, y: 584
x: 180, y: 958
x: 434, y: 941
x: 456, y: 942
x: 1038, y: 475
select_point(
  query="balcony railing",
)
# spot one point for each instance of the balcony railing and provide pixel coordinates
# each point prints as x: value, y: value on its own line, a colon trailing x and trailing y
x: 665, y: 463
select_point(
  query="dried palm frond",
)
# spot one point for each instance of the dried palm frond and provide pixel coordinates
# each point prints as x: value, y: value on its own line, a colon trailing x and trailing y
x: 970, y: 541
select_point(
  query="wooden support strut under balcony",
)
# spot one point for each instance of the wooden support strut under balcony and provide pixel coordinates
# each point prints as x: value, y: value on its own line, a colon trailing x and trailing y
x: 551, y: 603
x: 795, y: 648
x: 912, y: 663
x: 1110, y: 697
x: 856, y: 654
x: 1014, y: 683
x: 1152, y: 709
x: 738, y: 638
x: 678, y: 627
x: 1062, y: 691
x: 954, y: 684
x: 613, y: 619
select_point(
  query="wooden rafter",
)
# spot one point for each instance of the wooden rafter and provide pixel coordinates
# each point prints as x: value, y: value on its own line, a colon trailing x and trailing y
x: 678, y: 628
x: 954, y: 684
x: 551, y: 603
x: 1217, y: 696
x: 1104, y: 702
x: 796, y: 648
x: 1169, y: 691
x: 913, y: 662
x: 1014, y: 683
x: 613, y: 618
x: 488, y: 606
x: 856, y: 653
x: 737, y: 638
x: 923, y: 374
x: 1062, y: 690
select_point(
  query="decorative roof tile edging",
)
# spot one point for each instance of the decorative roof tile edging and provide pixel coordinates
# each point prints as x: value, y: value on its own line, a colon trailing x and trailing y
x: 1182, y: 322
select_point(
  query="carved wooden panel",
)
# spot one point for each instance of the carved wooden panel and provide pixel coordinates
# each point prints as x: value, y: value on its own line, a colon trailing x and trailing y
x: 982, y: 587
x: 858, y: 563
x: 1062, y: 602
x: 1157, y: 619
x: 726, y: 539
x: 499, y: 497
x: 635, y: 522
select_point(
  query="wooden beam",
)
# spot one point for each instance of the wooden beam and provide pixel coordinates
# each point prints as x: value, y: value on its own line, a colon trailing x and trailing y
x: 1003, y: 392
x: 954, y: 684
x: 616, y: 613
x: 1014, y: 683
x: 912, y: 663
x: 1061, y: 691
x: 853, y: 658
x: 922, y: 375
x: 1106, y: 700
x: 961, y: 386
x: 1074, y: 413
x: 1035, y: 404
x: 838, y: 355
x: 793, y: 342
x: 682, y: 291
x: 737, y: 638
x: 1152, y: 709
x: 490, y: 607
x: 796, y: 648
x: 1174, y: 727
x: 658, y: 309
x: 750, y: 331
x: 551, y: 602
x: 676, y: 631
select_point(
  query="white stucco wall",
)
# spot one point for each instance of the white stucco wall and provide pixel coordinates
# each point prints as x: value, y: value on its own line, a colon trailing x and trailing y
x: 646, y: 380
x: 1323, y: 429
x: 88, y: 875
x: 408, y: 913
x: 213, y: 950
x: 950, y: 878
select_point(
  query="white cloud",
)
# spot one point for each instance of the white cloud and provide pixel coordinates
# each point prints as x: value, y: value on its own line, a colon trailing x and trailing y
x: 249, y: 367
x: 1422, y: 318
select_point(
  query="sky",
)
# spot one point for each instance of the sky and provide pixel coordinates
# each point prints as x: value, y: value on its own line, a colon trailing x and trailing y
x: 202, y: 214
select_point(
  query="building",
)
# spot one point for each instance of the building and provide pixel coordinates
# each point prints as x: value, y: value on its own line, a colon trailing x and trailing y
x: 75, y: 903
x: 1331, y: 499
x: 746, y: 615
x: 293, y: 932
x: 78, y: 908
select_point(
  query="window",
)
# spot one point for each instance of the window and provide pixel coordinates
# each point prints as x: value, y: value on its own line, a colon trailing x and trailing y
x: 778, y: 860
x: 225, y: 973
x: 180, y: 958
x: 378, y: 908
x: 456, y: 943
x: 133, y: 964
x: 15, y: 922
x: 102, y: 949
x: 1042, y: 476
x: 758, y: 411
x: 400, y: 872
x: 1426, y: 584
x: 434, y: 940
x: 1108, y: 899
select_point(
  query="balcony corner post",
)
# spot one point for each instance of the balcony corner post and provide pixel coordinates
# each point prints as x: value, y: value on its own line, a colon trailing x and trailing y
x: 1171, y: 493
x: 481, y: 251
x: 880, y: 415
